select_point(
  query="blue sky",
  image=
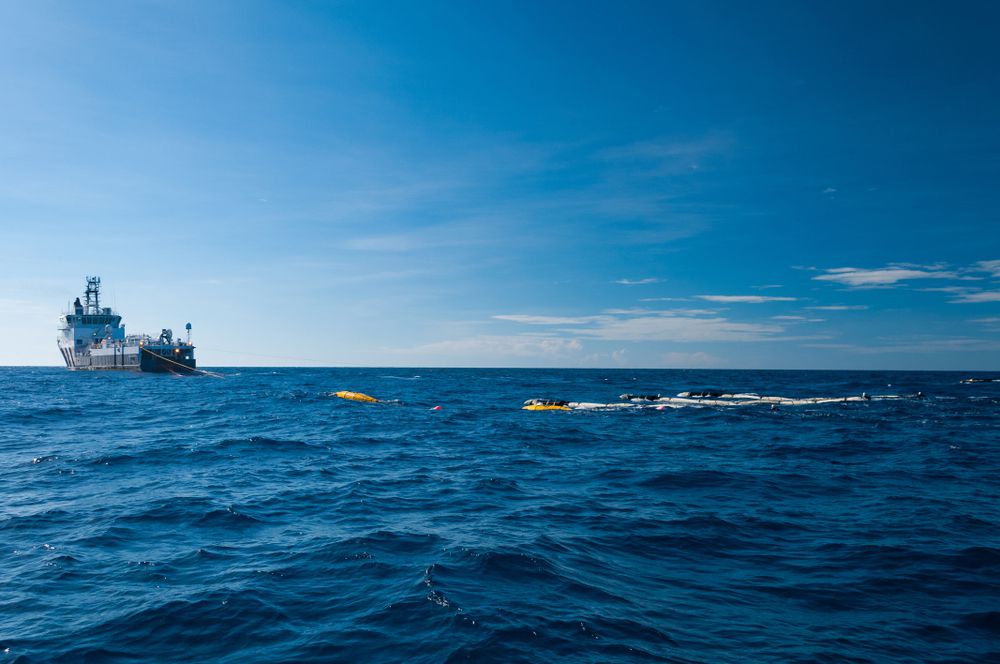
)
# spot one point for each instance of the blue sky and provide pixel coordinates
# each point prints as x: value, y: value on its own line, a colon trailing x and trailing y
x: 789, y: 185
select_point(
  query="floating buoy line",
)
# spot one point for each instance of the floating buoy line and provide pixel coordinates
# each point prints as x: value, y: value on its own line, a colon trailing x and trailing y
x: 707, y: 398
x: 659, y: 402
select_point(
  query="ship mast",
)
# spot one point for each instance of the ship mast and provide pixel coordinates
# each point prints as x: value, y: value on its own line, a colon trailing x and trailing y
x: 92, y: 296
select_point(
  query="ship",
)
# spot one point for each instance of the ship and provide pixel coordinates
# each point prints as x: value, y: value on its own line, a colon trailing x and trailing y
x: 92, y: 338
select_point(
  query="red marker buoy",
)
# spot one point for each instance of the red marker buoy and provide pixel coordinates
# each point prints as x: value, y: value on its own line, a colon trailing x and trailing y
x: 436, y: 408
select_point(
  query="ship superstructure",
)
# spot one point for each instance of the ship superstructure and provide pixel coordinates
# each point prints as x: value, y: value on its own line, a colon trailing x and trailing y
x: 92, y: 337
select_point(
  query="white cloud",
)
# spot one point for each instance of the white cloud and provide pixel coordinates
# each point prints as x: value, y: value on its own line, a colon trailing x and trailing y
x: 680, y: 329
x: 661, y: 312
x: 841, y: 307
x: 914, y: 346
x: 944, y: 289
x: 798, y: 319
x: 547, y: 320
x: 993, y: 267
x: 605, y: 316
x: 881, y: 277
x: 745, y: 299
x: 677, y: 325
x: 973, y: 297
x: 637, y: 282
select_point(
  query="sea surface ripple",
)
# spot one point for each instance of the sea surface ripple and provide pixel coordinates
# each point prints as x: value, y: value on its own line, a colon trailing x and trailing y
x: 252, y: 517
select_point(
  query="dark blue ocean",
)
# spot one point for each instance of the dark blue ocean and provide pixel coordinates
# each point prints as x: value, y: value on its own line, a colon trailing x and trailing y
x: 252, y: 517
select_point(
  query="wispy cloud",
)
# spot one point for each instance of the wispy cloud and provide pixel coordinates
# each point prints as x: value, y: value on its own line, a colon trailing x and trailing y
x: 973, y: 297
x: 881, y: 277
x: 636, y: 282
x: 993, y: 267
x: 991, y: 323
x: 798, y: 319
x: 669, y: 156
x: 913, y: 346
x: 681, y: 325
x: 965, y: 294
x: 471, y: 199
x: 895, y: 274
x: 547, y: 320
x: 944, y: 289
x: 662, y: 312
x: 680, y: 329
x: 676, y: 326
x: 745, y: 299
x: 840, y: 307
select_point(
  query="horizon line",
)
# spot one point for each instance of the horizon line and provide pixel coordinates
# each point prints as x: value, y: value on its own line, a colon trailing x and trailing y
x: 517, y: 368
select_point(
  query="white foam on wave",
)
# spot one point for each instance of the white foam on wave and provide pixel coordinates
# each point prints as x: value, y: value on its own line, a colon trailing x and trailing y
x: 731, y: 400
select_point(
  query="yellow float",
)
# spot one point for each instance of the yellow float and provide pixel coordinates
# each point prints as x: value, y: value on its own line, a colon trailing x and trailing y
x: 544, y: 404
x: 355, y: 396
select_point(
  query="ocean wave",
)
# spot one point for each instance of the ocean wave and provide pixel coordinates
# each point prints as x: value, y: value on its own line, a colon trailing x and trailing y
x: 216, y: 624
x: 251, y: 520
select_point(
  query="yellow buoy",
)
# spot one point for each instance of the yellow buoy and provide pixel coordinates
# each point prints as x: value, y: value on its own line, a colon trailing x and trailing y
x: 545, y: 404
x: 355, y: 396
